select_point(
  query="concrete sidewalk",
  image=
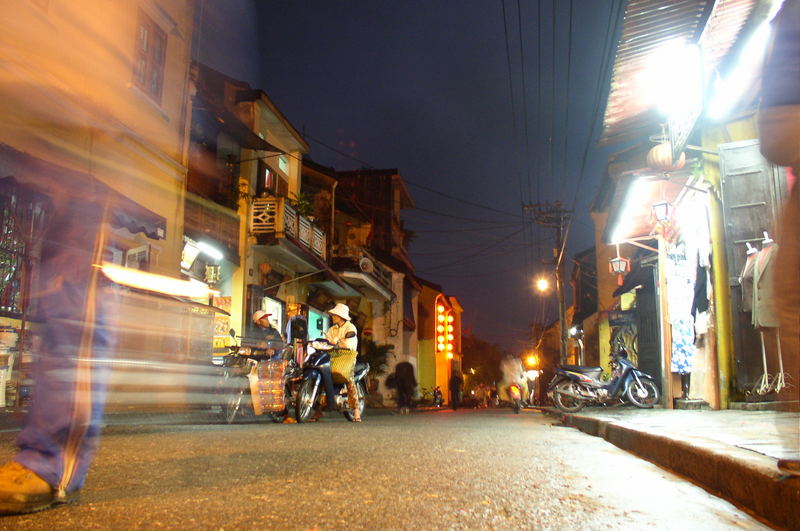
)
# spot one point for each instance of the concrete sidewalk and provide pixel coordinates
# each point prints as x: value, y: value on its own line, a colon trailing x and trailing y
x: 731, y: 453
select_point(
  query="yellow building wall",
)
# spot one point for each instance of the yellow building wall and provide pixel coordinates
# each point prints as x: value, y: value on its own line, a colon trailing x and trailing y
x: 68, y: 98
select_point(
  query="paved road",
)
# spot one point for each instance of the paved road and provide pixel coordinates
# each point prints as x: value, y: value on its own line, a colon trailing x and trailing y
x: 463, y: 470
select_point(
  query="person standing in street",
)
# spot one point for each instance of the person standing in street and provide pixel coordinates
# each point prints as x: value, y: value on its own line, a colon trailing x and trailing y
x: 779, y: 131
x: 406, y: 384
x: 456, y: 381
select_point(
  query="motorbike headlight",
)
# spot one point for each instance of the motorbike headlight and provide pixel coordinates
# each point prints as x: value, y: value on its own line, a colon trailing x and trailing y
x: 244, y: 351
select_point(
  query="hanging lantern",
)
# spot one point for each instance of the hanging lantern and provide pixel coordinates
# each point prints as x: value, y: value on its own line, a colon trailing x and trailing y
x: 619, y: 266
x: 662, y: 211
x: 212, y: 274
x: 660, y: 158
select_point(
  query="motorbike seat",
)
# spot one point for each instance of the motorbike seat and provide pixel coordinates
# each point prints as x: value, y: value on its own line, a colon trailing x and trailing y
x: 588, y: 371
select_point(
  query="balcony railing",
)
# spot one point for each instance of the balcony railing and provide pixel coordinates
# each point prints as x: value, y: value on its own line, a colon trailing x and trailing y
x: 274, y: 215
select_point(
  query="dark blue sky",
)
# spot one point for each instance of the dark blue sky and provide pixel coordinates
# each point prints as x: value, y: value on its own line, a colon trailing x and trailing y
x: 424, y: 86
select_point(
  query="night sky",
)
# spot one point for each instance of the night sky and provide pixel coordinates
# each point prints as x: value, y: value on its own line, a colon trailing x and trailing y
x: 425, y: 87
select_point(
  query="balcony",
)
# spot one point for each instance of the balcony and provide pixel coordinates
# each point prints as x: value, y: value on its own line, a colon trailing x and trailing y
x: 275, y: 223
x: 361, y: 270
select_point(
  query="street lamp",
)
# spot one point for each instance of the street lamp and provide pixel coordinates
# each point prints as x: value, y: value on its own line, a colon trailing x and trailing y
x: 542, y: 284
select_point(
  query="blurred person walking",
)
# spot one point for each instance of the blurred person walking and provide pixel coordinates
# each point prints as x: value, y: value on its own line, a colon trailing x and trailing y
x: 75, y: 307
x: 455, y: 389
x: 406, y: 384
x: 779, y: 130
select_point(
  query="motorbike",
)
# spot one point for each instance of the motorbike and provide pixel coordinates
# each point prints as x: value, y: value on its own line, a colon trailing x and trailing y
x: 311, y: 388
x: 257, y: 380
x: 515, y: 395
x: 438, y: 397
x: 575, y: 386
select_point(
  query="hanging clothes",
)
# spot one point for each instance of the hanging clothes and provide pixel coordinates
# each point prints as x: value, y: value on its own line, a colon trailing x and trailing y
x: 746, y: 281
x: 680, y: 270
x: 764, y: 311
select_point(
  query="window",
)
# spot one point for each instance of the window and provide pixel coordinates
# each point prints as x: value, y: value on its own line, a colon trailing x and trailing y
x: 22, y: 219
x: 270, y: 182
x: 138, y: 258
x: 283, y: 164
x: 150, y: 56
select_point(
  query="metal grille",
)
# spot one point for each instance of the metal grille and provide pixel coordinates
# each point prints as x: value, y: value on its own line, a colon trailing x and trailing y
x: 318, y: 242
x: 289, y: 221
x: 21, y: 224
x: 305, y: 231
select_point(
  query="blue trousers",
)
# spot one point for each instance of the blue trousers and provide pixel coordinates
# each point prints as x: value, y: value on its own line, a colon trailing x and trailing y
x: 61, y: 431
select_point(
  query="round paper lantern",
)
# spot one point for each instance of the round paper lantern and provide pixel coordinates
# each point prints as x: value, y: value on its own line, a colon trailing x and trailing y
x: 660, y: 158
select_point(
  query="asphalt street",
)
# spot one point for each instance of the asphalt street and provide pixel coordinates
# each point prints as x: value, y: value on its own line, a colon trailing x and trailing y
x: 438, y: 470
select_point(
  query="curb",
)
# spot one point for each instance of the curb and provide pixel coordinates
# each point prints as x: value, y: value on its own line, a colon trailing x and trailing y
x: 747, y: 479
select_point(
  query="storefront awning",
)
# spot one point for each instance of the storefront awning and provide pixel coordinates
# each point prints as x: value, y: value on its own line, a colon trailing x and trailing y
x: 368, y: 285
x: 300, y: 260
x: 631, y: 215
x: 63, y: 184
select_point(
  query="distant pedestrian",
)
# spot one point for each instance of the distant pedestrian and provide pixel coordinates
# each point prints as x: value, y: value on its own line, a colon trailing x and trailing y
x: 455, y: 389
x: 406, y: 384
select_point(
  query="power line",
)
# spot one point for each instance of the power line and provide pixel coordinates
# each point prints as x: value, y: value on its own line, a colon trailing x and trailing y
x: 566, y: 92
x: 464, y: 230
x: 473, y: 255
x: 412, y: 183
x: 466, y: 202
x: 614, y: 13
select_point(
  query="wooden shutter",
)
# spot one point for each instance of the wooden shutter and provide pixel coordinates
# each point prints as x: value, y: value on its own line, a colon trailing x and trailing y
x: 751, y: 190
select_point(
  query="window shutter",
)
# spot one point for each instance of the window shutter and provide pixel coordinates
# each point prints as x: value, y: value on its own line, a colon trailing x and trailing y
x: 751, y: 188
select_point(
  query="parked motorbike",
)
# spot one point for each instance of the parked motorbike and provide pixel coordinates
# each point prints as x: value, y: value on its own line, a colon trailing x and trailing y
x: 515, y: 395
x: 574, y: 386
x: 311, y: 388
x: 438, y: 397
x: 257, y: 380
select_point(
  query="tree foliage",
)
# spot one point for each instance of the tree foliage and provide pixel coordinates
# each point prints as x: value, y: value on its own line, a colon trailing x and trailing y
x: 377, y: 356
x: 482, y: 356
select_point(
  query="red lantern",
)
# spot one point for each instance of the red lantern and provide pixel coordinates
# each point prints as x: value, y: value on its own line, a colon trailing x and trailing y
x: 660, y: 158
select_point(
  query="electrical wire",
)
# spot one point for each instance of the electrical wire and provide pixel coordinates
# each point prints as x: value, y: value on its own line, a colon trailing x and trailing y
x: 473, y: 255
x: 614, y: 13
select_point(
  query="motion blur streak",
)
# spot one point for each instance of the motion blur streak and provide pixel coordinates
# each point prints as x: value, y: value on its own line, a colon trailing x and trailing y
x: 133, y: 278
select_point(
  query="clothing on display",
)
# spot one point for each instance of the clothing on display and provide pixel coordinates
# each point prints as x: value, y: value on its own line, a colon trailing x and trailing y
x: 746, y: 279
x: 681, y: 267
x: 764, y: 311
x: 683, y: 349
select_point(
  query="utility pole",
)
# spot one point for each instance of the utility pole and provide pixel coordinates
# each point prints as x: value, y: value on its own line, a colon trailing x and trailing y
x: 555, y: 216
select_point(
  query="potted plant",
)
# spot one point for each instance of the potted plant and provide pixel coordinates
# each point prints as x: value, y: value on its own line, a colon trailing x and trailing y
x: 377, y: 356
x: 303, y: 204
